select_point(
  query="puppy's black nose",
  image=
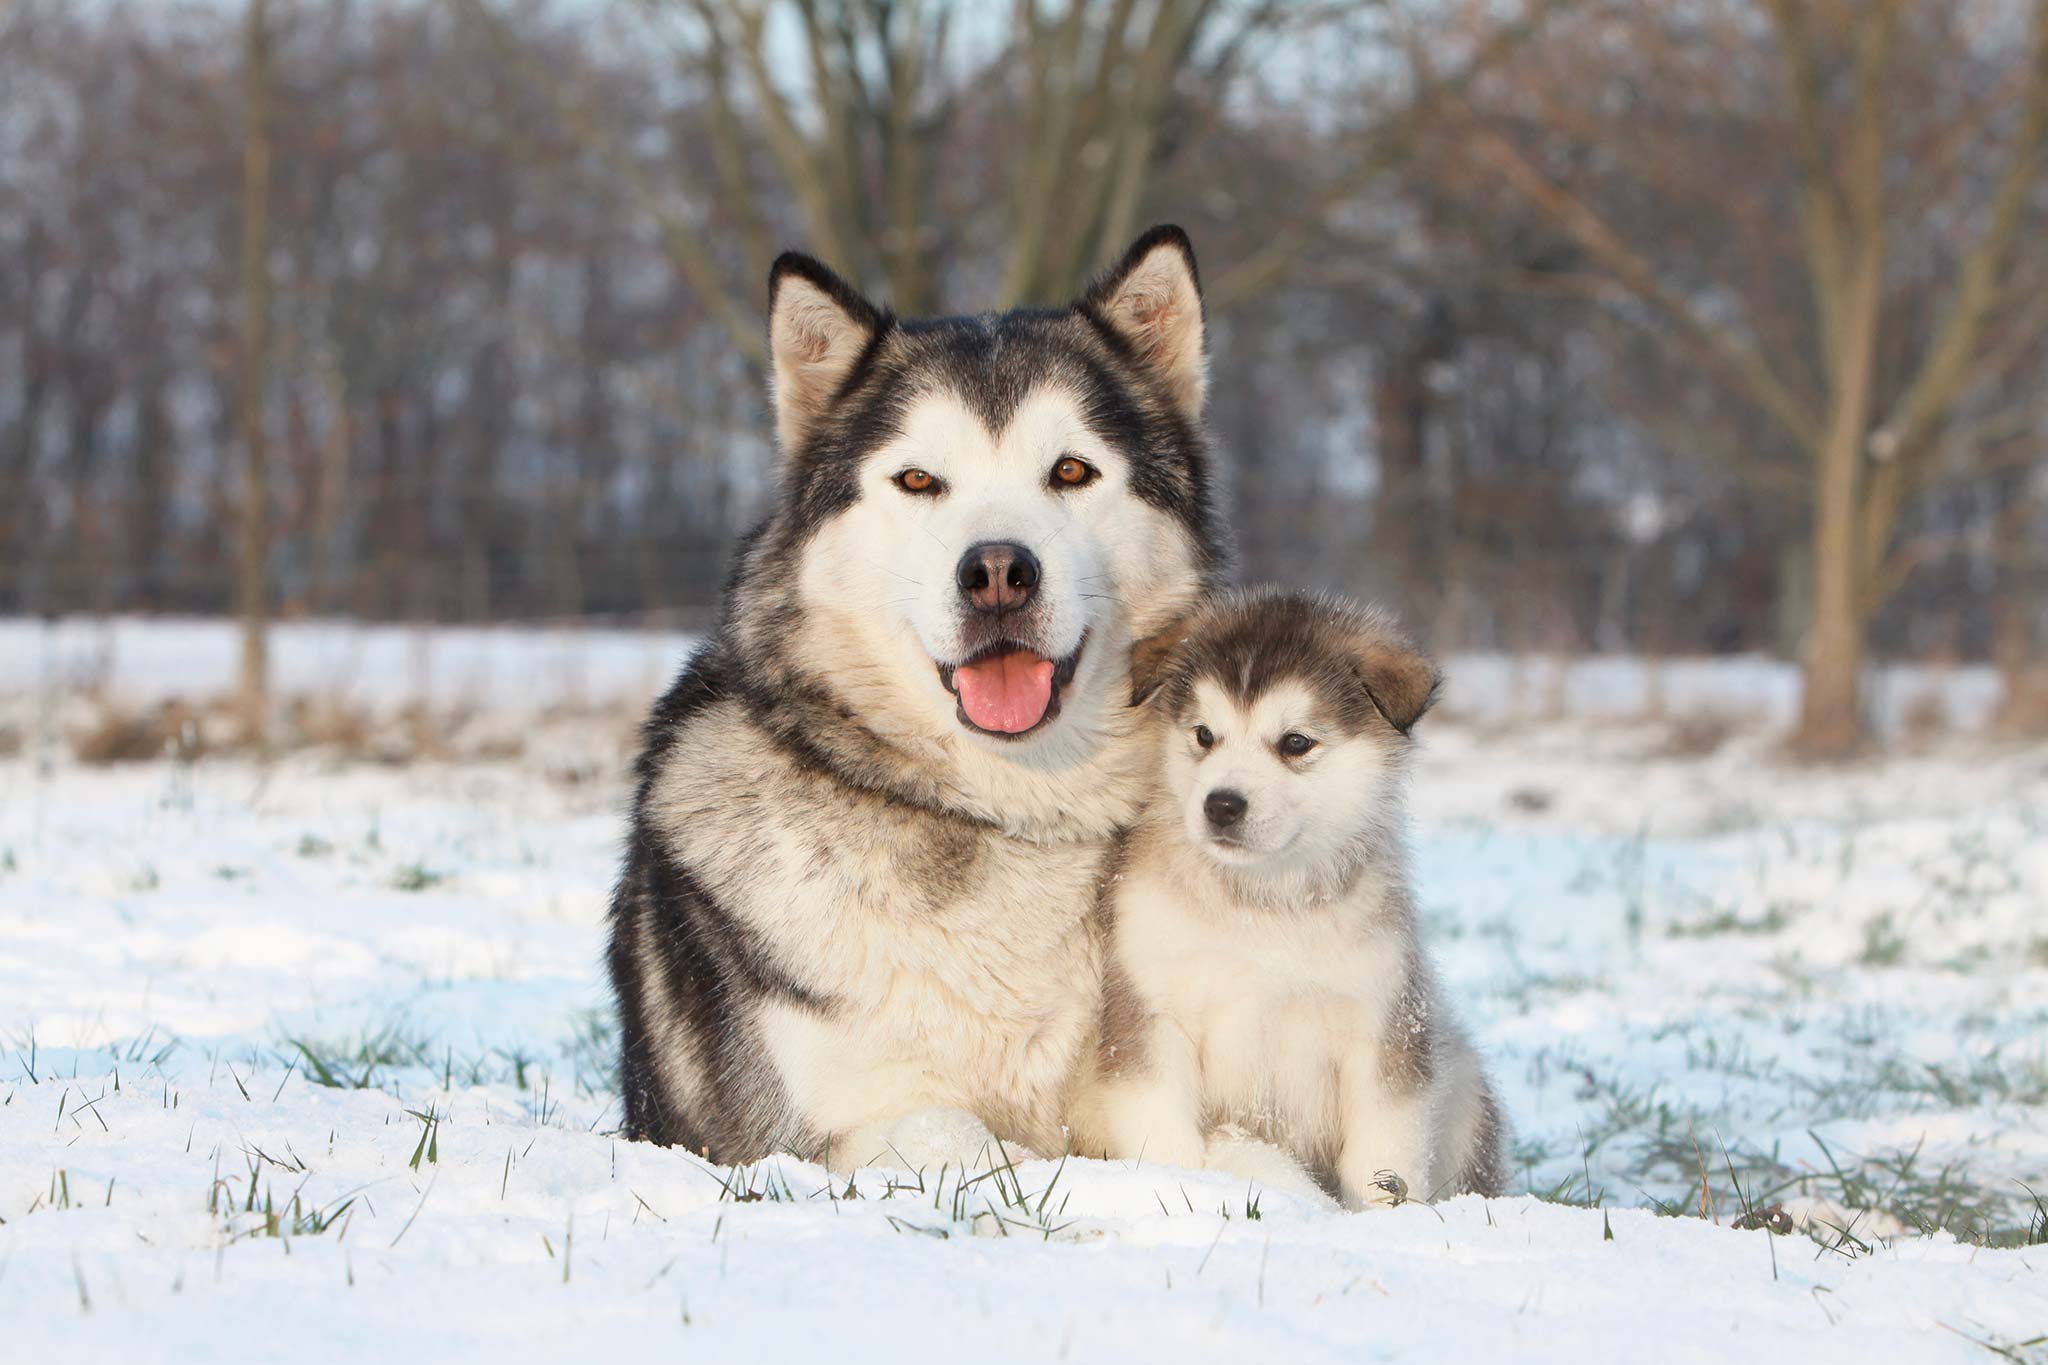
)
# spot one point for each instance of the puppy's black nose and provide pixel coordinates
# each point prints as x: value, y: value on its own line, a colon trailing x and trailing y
x: 997, y: 575
x: 1224, y: 807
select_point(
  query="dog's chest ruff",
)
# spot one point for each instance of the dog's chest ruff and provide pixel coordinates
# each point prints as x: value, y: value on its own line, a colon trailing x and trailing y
x: 1270, y: 1000
x: 942, y: 962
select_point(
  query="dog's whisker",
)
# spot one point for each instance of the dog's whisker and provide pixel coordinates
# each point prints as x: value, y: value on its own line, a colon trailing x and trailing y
x: 913, y: 582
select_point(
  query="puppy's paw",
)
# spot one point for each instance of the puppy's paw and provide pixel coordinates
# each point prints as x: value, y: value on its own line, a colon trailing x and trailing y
x: 1232, y: 1149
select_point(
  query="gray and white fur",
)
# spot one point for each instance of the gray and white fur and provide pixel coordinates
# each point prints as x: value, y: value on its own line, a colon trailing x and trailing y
x: 1265, y: 972
x: 856, y: 920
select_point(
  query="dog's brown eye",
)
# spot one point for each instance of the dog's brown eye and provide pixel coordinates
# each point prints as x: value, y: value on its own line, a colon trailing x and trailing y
x: 1072, y: 472
x: 1294, y: 744
x: 917, y: 481
x: 1203, y: 737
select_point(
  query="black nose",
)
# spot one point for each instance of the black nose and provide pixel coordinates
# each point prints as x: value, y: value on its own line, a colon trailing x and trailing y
x: 1224, y: 807
x: 997, y: 575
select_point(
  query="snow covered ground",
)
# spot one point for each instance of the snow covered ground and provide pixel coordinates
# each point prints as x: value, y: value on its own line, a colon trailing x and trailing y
x: 141, y: 660
x: 311, y: 1061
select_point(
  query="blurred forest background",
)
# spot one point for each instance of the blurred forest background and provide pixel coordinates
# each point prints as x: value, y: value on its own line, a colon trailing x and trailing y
x: 1662, y: 326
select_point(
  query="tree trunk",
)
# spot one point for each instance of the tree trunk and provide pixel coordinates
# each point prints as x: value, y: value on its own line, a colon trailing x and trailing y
x: 1831, y: 705
x: 331, y: 486
x: 2022, y: 671
x: 252, y: 589
x: 149, y: 506
x: 1407, y: 538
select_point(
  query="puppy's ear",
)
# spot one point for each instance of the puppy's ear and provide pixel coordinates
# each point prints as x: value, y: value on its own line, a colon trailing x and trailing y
x: 1152, y: 301
x: 1152, y: 661
x: 819, y: 327
x: 1401, y: 682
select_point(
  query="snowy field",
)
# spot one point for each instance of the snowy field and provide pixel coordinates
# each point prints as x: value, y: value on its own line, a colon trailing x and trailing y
x: 142, y: 661
x: 311, y: 1061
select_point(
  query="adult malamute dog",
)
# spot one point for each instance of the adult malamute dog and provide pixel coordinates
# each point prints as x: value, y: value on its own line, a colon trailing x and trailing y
x: 1265, y: 973
x: 855, y: 920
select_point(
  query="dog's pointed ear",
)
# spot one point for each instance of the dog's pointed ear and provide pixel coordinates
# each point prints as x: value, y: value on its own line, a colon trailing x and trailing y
x: 1152, y: 660
x: 819, y: 327
x: 1152, y: 299
x: 1400, y: 680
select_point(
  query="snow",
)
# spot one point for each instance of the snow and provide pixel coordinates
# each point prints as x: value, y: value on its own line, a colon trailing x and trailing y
x: 141, y: 660
x: 1672, y: 961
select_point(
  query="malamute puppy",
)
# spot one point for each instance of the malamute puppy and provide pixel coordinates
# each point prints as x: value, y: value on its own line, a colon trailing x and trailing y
x: 1265, y: 972
x: 856, y: 918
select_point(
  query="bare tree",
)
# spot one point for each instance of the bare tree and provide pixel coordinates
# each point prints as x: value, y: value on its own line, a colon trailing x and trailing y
x: 867, y: 132
x: 253, y: 573
x: 514, y: 256
x: 1869, y: 386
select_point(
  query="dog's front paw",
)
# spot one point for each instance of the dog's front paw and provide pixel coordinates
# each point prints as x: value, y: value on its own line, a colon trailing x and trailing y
x: 927, y: 1139
x: 1237, y: 1152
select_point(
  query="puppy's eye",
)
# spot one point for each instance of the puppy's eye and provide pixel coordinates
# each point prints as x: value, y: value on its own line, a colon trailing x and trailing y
x: 1294, y: 744
x: 1073, y: 472
x: 919, y: 481
x: 1204, y: 737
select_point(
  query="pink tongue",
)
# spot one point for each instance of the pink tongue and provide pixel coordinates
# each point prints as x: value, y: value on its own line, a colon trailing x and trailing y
x: 1008, y: 693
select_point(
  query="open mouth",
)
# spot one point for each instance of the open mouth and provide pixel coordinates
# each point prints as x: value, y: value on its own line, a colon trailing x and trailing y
x: 1008, y: 690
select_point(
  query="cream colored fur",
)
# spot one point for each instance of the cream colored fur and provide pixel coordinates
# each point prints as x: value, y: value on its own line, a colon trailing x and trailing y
x: 964, y: 978
x: 814, y: 343
x: 1159, y: 308
x: 1274, y: 982
x: 972, y: 996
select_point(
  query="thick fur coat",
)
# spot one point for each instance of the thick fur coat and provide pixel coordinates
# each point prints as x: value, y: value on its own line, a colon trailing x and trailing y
x: 1266, y: 976
x: 874, y: 814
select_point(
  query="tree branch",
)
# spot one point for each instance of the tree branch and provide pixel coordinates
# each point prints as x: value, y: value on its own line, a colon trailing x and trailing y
x: 682, y: 242
x: 1384, y: 146
x: 1820, y: 203
x: 1730, y: 353
x: 1934, y: 388
x: 786, y: 142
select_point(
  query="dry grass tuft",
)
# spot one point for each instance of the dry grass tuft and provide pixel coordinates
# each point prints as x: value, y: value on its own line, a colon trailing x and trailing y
x: 576, y: 745
x: 1698, y: 734
x: 2023, y: 712
x: 423, y: 734
x: 171, y: 729
x: 1925, y: 719
x: 328, y: 723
